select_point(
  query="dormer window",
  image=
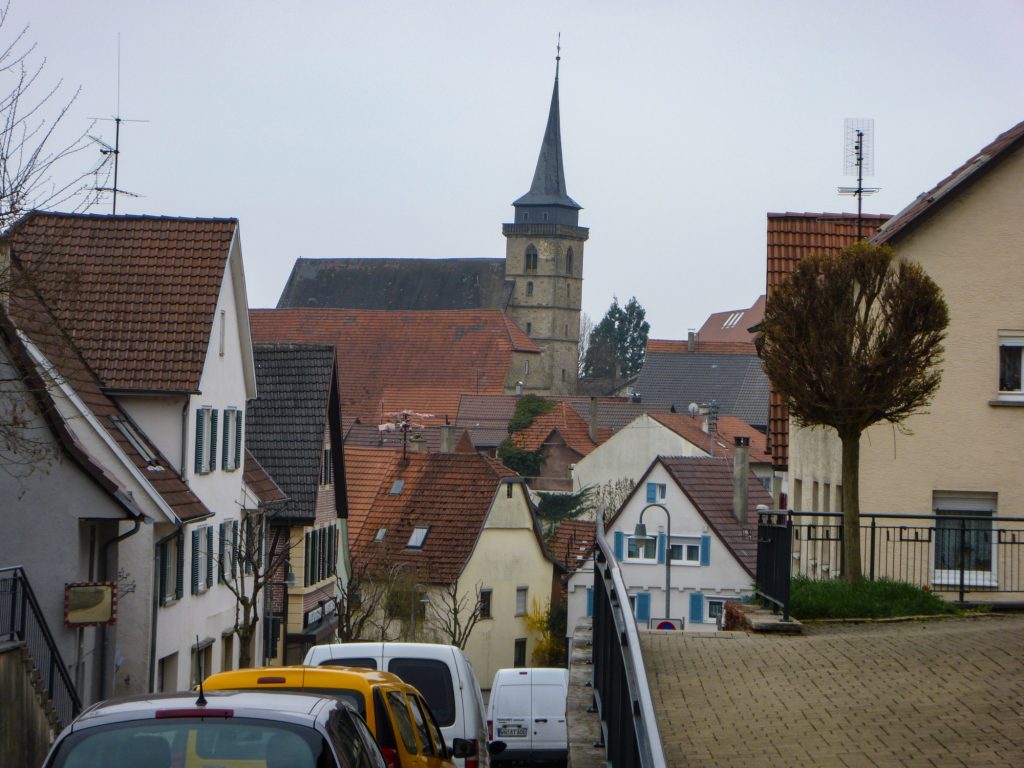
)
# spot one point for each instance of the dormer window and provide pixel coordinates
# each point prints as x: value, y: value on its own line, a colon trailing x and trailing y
x: 531, y: 259
x: 419, y: 535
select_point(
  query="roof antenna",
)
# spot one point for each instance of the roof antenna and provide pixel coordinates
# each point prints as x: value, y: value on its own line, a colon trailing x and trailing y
x: 115, y: 151
x: 859, y: 160
x: 558, y: 54
x: 201, y: 701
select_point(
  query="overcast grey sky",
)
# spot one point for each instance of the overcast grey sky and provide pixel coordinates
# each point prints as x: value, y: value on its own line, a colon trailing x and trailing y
x: 406, y: 129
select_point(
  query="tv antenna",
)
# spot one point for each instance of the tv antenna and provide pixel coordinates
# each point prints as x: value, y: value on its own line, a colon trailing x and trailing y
x: 115, y: 151
x: 859, y: 160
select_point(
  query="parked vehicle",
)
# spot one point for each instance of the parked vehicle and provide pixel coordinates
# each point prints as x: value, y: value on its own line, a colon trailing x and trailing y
x: 527, y: 711
x: 401, y: 721
x: 442, y: 673
x: 228, y: 729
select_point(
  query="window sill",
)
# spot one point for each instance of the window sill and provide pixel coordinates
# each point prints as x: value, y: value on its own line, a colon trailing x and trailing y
x: 1006, y: 403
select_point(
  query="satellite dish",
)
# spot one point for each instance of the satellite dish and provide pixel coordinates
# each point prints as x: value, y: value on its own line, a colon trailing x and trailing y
x: 694, y: 409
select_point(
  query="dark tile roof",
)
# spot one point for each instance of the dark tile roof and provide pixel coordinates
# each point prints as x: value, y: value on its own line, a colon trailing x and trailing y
x: 285, y: 425
x: 928, y: 202
x: 136, y: 294
x: 449, y: 492
x: 261, y: 483
x: 791, y: 237
x: 690, y: 428
x: 573, y: 543
x: 397, y: 284
x: 394, y: 361
x: 736, y: 382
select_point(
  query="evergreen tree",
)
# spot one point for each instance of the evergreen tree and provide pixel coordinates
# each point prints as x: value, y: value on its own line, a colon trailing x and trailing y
x: 616, y: 345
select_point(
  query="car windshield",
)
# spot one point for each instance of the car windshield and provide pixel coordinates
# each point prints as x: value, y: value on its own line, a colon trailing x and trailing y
x: 231, y: 742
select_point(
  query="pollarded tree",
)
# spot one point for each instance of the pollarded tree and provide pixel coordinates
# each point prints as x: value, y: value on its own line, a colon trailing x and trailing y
x: 849, y: 341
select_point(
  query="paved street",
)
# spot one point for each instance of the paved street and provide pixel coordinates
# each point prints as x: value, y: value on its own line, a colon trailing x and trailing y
x: 936, y: 693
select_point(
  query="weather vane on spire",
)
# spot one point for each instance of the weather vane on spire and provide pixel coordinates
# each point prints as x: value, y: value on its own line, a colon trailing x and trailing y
x: 558, y: 53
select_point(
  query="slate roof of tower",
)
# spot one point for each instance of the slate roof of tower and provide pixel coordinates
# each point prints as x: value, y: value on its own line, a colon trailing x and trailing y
x: 397, y: 284
x: 285, y: 425
x: 736, y: 382
x: 548, y: 186
x: 393, y: 361
x: 136, y: 294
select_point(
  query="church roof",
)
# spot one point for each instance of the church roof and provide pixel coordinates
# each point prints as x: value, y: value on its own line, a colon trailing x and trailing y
x: 397, y: 284
x: 548, y: 186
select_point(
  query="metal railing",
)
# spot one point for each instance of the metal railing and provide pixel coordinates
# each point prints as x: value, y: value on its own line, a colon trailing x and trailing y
x: 774, y: 549
x: 21, y: 619
x: 621, y: 693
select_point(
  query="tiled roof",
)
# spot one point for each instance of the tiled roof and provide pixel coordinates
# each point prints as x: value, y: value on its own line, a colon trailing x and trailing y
x: 259, y: 482
x: 736, y: 382
x: 573, y: 543
x: 791, y: 237
x: 393, y: 361
x: 708, y: 483
x: 733, y: 325
x: 136, y: 294
x: 562, y: 418
x: 449, y: 492
x: 285, y: 425
x: 397, y: 284
x: 728, y: 428
x: 926, y: 203
x: 708, y: 347
x: 365, y: 471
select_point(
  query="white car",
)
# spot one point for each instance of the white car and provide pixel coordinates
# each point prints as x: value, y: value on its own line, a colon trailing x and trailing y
x: 527, y: 711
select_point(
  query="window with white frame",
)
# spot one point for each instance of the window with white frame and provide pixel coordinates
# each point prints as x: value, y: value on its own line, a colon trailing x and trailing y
x: 206, y: 440
x: 685, y: 550
x: 172, y: 568
x: 655, y: 492
x: 231, y: 449
x: 642, y: 549
x: 964, y: 538
x: 202, y: 559
x: 1011, y: 354
x: 418, y: 536
x: 522, y: 593
x: 714, y: 609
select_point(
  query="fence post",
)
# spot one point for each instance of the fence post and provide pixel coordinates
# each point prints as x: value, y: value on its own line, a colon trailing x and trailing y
x: 872, y: 566
x: 787, y: 566
x: 842, y: 548
x: 963, y: 554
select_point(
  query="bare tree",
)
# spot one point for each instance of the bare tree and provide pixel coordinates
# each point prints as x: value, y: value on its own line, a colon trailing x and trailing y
x: 583, y: 344
x: 455, y: 613
x: 609, y: 496
x: 361, y: 603
x: 850, y: 341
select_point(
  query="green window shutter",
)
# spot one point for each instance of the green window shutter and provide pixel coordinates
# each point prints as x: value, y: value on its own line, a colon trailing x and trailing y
x: 308, y: 569
x: 179, y: 571
x: 226, y: 443
x: 213, y: 440
x: 200, y: 428
x: 234, y: 546
x: 195, y: 562
x: 239, y: 462
x: 163, y: 573
x: 209, y: 556
x: 221, y: 551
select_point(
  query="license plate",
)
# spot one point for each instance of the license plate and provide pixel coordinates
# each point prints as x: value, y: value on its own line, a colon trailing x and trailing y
x: 511, y: 732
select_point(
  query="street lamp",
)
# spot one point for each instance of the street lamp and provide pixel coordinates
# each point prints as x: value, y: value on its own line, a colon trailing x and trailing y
x: 640, y: 532
x: 424, y: 601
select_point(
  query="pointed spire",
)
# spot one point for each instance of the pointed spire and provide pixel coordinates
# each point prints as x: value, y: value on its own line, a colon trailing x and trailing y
x: 548, y: 186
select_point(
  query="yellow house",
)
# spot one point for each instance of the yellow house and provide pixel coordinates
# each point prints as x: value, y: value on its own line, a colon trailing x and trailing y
x: 455, y: 538
x: 962, y: 455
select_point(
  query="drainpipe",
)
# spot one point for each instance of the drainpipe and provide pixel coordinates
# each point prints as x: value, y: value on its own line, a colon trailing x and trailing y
x: 156, y: 603
x: 184, y: 437
x: 106, y: 682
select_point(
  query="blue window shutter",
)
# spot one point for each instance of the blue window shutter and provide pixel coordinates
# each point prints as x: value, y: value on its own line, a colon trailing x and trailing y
x: 195, y: 562
x: 696, y: 608
x: 620, y: 545
x: 209, y: 556
x: 705, y: 550
x: 643, y: 606
x: 652, y: 492
x: 179, y: 571
x: 213, y: 440
x: 200, y: 425
x: 590, y: 601
x: 661, y: 548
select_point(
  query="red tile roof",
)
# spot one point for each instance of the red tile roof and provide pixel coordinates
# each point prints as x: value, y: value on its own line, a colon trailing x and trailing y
x: 563, y: 419
x: 791, y: 237
x: 261, y: 483
x: 365, y: 470
x: 732, y: 325
x: 573, y: 542
x: 673, y: 346
x: 728, y: 428
x: 449, y: 492
x: 136, y: 294
x: 392, y: 361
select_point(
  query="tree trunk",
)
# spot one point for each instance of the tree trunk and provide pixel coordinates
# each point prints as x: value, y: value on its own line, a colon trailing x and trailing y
x: 851, y: 506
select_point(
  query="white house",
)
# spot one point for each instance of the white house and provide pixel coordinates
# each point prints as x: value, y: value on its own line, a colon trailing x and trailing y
x: 701, y: 533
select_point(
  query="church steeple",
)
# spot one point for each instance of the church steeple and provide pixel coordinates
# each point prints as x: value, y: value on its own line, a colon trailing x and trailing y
x: 547, y: 200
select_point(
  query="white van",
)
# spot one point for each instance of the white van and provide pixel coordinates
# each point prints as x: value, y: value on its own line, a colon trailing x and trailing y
x: 527, y: 711
x: 442, y: 673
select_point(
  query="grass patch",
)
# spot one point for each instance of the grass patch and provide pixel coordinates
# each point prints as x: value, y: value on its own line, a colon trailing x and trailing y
x: 879, y: 599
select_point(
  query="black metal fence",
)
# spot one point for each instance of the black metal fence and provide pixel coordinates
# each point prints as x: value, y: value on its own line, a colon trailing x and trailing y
x: 621, y: 694
x: 774, y: 550
x: 22, y: 620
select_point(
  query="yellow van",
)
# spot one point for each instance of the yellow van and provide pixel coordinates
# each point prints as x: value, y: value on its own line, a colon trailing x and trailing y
x: 399, y: 718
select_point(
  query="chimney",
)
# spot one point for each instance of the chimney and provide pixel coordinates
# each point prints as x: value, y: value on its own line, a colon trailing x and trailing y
x: 740, y: 470
x: 447, y: 438
x: 691, y: 341
x: 417, y: 443
x: 592, y: 420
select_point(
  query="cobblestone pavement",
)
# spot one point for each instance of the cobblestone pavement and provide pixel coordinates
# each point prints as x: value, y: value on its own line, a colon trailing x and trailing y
x: 921, y: 693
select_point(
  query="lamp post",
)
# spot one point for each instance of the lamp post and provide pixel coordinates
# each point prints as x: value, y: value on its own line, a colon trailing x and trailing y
x: 413, y: 601
x: 641, y: 533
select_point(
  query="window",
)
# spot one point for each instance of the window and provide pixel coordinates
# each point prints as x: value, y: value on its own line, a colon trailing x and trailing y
x: 531, y: 259
x: 508, y: 490
x: 327, y: 468
x: 1010, y: 359
x: 321, y: 550
x: 226, y: 550
x: 418, y: 536
x: 645, y: 548
x: 529, y: 288
x: 655, y: 492
x: 685, y: 550
x: 568, y: 261
x: 127, y: 429
x: 202, y: 660
x: 206, y: 440
x: 526, y: 363
x: 519, y: 653
x: 202, y: 559
x: 485, y: 603
x: 397, y: 486
x: 172, y: 569
x: 381, y: 533
x: 421, y: 727
x: 521, y: 595
x: 231, y: 451
x: 563, y: 374
x: 529, y: 330
x: 397, y: 705
x: 433, y: 679
x: 963, y: 538
x: 715, y: 609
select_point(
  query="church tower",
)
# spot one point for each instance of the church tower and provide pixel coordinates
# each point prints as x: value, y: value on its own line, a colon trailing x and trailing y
x: 544, y: 260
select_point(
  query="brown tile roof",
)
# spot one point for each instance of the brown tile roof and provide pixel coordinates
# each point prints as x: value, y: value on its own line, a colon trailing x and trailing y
x: 392, y: 361
x: 573, y: 542
x: 365, y: 471
x: 673, y: 346
x: 732, y: 325
x: 449, y: 492
x: 928, y: 202
x: 261, y: 483
x: 136, y: 294
x: 729, y: 427
x: 791, y: 237
x: 562, y: 419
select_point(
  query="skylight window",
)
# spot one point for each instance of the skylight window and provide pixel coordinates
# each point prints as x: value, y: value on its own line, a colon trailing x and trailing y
x: 419, y: 534
x: 127, y: 429
x: 397, y: 486
x: 381, y: 533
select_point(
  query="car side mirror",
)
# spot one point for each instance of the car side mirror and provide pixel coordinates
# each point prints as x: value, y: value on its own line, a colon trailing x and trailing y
x: 462, y: 748
x: 496, y: 747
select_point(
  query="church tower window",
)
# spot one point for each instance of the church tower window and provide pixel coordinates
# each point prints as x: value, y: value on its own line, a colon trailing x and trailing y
x: 529, y: 288
x: 568, y: 261
x: 531, y: 259
x: 529, y: 328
